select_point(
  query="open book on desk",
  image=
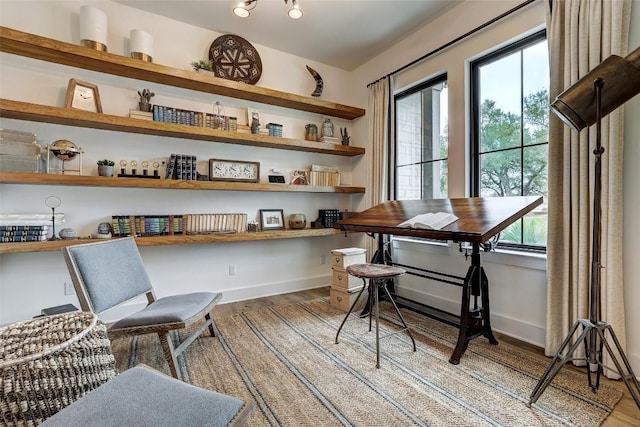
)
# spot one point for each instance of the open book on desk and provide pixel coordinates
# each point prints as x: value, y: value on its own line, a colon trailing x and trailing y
x: 430, y: 221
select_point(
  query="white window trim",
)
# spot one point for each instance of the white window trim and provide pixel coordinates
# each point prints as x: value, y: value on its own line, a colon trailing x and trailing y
x: 531, y: 260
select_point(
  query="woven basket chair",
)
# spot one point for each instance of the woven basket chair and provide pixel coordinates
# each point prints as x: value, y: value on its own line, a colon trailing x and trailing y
x: 50, y: 362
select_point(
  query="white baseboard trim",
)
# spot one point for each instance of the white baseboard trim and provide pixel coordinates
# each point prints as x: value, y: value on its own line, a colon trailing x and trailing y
x: 514, y: 328
x: 232, y: 295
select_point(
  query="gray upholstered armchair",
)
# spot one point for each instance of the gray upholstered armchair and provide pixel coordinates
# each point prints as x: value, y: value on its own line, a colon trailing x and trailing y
x: 108, y: 273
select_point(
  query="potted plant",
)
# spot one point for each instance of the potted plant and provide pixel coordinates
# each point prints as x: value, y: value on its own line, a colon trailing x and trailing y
x: 145, y: 100
x: 202, y: 65
x: 105, y: 167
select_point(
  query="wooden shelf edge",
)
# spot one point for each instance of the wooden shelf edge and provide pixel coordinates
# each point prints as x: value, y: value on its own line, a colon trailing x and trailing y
x: 19, y: 110
x: 46, y: 49
x: 30, y: 178
x: 56, y: 245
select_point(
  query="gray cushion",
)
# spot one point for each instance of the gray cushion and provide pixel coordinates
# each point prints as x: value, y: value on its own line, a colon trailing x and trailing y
x: 142, y: 397
x: 175, y: 308
x: 112, y: 271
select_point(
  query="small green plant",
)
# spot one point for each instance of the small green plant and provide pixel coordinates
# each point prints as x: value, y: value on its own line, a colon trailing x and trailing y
x: 202, y: 65
x: 105, y: 162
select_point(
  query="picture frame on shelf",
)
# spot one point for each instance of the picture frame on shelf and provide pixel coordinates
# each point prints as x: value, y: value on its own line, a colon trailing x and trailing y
x: 271, y: 219
x: 251, y: 113
x: 83, y: 96
x: 234, y: 170
x: 300, y: 177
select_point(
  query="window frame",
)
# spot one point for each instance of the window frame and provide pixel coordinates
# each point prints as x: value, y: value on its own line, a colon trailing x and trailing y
x: 475, y: 103
x: 392, y: 178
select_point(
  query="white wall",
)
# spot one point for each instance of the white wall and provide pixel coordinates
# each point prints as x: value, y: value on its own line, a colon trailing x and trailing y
x: 517, y: 283
x: 32, y: 281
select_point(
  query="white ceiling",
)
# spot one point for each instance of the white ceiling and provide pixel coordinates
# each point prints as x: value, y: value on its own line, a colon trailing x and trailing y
x: 342, y: 33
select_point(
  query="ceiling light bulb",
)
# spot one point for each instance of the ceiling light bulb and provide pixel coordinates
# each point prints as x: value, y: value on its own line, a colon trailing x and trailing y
x: 295, y: 12
x: 241, y: 11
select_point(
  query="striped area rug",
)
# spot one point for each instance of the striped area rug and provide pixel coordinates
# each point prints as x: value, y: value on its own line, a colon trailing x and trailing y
x: 285, y: 359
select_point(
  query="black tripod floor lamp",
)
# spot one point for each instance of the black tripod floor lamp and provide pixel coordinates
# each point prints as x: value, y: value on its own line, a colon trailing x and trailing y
x: 605, y: 88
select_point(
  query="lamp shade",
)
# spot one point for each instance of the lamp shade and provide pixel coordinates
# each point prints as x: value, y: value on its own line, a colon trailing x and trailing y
x: 93, y: 28
x: 141, y: 44
x: 576, y: 106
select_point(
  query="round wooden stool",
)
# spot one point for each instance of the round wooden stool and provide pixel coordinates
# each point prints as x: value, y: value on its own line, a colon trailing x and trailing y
x: 378, y: 274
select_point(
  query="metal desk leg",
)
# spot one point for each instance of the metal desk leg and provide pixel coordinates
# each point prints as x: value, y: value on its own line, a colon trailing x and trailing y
x: 477, y: 321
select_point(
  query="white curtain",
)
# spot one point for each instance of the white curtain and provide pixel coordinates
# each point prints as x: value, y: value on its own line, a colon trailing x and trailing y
x: 581, y: 34
x: 378, y: 113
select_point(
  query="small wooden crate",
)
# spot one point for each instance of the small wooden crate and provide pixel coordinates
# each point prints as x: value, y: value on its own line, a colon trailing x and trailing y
x: 343, y: 258
x: 342, y: 299
x: 343, y: 280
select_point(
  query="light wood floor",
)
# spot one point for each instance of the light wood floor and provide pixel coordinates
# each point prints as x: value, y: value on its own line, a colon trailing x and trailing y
x: 625, y: 414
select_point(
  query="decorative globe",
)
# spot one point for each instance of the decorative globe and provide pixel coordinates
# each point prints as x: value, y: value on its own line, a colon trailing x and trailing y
x: 64, y: 150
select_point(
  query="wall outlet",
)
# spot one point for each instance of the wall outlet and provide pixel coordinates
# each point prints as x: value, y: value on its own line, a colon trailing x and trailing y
x: 68, y: 289
x: 232, y: 269
x: 323, y: 259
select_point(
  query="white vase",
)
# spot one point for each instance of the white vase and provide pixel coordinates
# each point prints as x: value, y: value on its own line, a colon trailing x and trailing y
x: 105, y: 170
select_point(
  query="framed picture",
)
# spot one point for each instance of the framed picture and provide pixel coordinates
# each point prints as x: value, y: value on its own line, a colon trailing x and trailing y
x: 300, y: 177
x: 83, y: 96
x: 271, y: 219
x: 251, y: 113
x: 234, y: 170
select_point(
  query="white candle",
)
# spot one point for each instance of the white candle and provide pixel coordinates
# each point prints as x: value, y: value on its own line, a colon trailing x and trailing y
x: 93, y: 25
x: 141, y: 43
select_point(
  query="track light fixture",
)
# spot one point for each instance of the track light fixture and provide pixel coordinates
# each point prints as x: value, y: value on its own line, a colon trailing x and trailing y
x: 244, y: 8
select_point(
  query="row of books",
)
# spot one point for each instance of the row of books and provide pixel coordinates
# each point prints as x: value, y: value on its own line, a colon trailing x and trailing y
x: 324, y: 178
x: 159, y: 225
x: 182, y: 166
x: 211, y: 223
x: 147, y: 225
x: 190, y: 118
x: 23, y: 233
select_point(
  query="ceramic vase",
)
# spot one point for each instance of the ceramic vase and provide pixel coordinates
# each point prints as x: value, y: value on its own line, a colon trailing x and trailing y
x: 297, y: 221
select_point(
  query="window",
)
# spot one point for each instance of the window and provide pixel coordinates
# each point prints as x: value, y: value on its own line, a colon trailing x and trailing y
x: 510, y: 138
x: 421, y: 144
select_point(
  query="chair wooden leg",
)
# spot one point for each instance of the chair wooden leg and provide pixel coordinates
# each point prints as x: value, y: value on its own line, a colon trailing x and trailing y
x: 212, y: 328
x: 169, y: 352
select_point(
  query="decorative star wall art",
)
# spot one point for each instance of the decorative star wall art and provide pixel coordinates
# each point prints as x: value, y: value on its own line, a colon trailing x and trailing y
x: 234, y: 58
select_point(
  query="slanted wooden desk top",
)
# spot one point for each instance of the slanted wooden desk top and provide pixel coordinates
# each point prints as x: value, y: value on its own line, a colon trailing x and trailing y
x: 479, y: 218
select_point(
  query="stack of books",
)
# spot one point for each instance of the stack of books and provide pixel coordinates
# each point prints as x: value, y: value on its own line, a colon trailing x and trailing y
x: 23, y: 233
x: 142, y: 115
x: 330, y: 139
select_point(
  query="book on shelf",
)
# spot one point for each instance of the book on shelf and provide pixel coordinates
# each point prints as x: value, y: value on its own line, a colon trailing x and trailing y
x: 7, y: 233
x: 430, y: 221
x: 324, y: 178
x: 27, y: 238
x: 321, y: 168
x: 24, y: 227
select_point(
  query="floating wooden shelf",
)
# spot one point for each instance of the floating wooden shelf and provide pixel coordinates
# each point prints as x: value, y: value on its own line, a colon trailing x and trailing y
x: 101, y: 181
x: 71, y: 117
x: 56, y: 245
x: 46, y: 49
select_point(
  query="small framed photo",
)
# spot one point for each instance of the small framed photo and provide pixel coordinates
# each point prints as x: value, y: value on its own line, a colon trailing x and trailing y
x: 83, y: 96
x: 251, y: 114
x: 271, y: 219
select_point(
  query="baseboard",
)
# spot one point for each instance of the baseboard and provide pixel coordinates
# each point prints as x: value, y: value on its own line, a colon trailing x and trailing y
x: 232, y: 295
x: 511, y: 327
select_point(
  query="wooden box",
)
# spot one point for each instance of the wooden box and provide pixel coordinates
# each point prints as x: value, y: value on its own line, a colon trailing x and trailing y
x: 342, y: 299
x: 343, y: 258
x: 343, y: 280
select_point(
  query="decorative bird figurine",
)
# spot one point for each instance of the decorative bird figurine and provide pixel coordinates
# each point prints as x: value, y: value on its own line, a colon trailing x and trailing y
x: 319, y: 82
